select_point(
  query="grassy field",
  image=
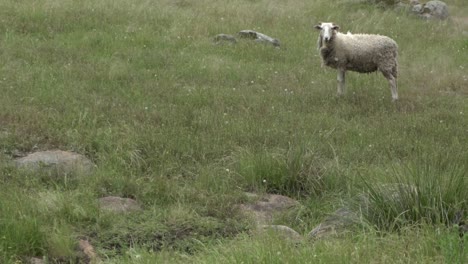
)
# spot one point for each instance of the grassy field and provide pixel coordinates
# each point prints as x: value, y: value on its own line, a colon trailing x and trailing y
x: 186, y: 127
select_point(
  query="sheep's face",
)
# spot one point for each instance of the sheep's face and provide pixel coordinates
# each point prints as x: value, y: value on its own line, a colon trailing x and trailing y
x: 327, y: 31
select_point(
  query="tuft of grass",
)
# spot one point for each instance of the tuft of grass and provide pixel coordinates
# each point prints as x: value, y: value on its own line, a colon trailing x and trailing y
x: 431, y: 190
x: 21, y: 230
x: 354, y: 248
x: 177, y: 228
x: 61, y: 242
x: 298, y: 171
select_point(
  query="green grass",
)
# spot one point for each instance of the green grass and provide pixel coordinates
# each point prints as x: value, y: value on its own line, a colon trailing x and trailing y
x: 428, y: 191
x: 186, y: 127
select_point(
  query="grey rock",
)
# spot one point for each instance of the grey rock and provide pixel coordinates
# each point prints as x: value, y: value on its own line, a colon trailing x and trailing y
x: 36, y: 261
x: 346, y: 217
x: 462, y: 223
x: 282, y: 230
x: 417, y: 9
x: 224, y: 38
x: 118, y: 204
x: 335, y: 224
x: 259, y: 37
x: 431, y: 10
x: 264, y: 209
x: 88, y: 251
x: 435, y: 10
x: 58, y: 161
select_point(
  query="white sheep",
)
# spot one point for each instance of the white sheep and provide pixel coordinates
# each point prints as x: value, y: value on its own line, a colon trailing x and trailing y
x: 362, y: 53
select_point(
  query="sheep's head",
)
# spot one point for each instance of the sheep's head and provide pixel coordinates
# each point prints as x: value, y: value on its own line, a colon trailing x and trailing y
x: 327, y: 31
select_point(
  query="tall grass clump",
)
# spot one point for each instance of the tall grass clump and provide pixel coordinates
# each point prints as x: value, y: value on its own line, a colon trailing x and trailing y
x: 356, y: 248
x: 20, y: 228
x: 297, y: 171
x: 431, y: 190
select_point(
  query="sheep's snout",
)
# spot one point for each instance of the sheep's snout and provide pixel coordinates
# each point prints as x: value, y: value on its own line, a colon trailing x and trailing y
x: 326, y: 35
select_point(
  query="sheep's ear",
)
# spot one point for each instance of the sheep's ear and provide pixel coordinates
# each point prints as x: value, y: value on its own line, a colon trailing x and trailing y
x: 335, y: 27
x: 319, y: 27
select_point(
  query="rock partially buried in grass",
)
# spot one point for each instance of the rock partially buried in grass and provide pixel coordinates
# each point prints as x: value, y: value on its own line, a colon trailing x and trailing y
x: 118, y: 204
x: 36, y: 261
x: 86, y: 254
x: 431, y: 10
x: 266, y: 207
x: 343, y: 219
x: 335, y: 224
x: 282, y: 231
x: 224, y: 38
x: 259, y: 37
x: 61, y: 162
x: 88, y: 251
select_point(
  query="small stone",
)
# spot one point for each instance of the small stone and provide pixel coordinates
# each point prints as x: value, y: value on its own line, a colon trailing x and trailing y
x: 225, y: 38
x: 118, y: 204
x: 36, y: 261
x: 87, y: 249
x: 283, y: 231
x: 335, y: 223
x: 56, y: 161
x: 344, y: 218
x: 259, y: 37
x: 417, y: 9
x: 264, y: 209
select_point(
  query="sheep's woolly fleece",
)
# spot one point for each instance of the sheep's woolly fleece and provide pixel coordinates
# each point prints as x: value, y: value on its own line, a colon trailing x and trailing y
x: 361, y: 53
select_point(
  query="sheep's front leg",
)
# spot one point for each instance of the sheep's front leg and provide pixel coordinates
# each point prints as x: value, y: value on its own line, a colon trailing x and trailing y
x: 341, y: 82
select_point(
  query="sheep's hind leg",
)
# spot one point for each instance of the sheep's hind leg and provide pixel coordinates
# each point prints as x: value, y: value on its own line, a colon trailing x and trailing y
x: 341, y: 82
x: 393, y: 85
